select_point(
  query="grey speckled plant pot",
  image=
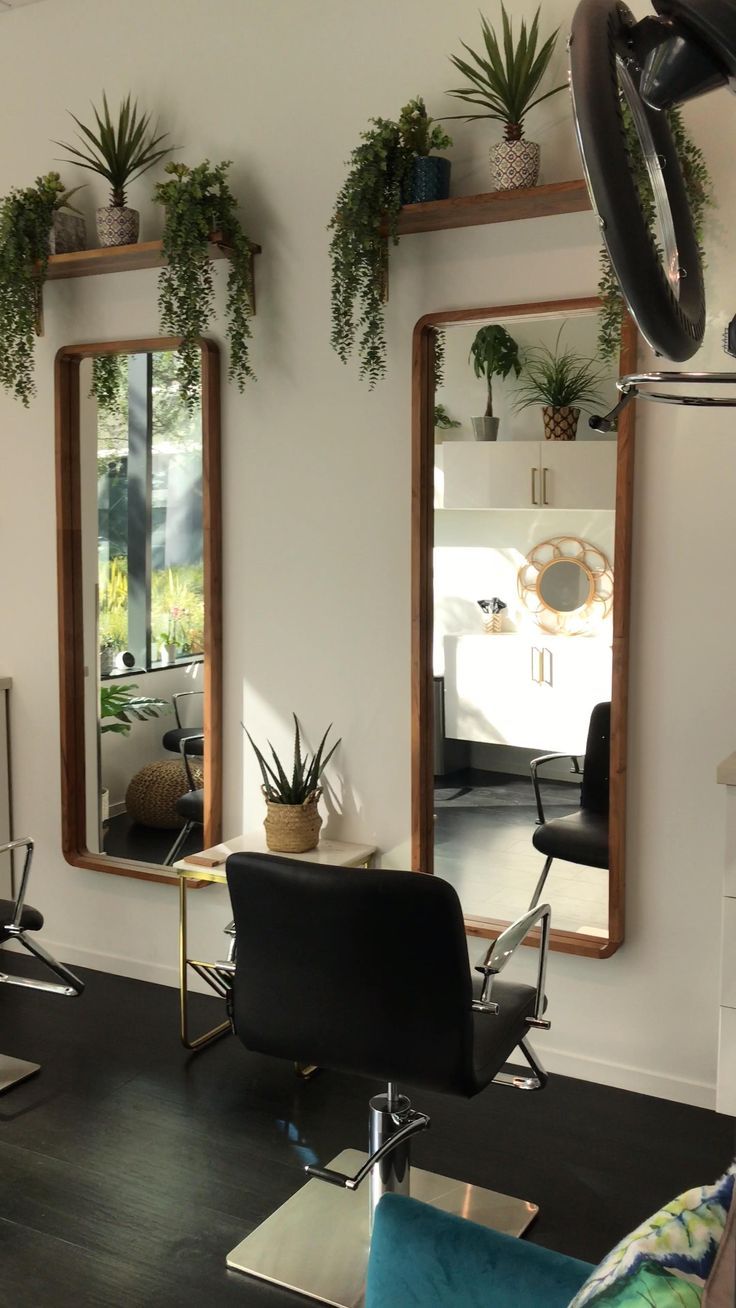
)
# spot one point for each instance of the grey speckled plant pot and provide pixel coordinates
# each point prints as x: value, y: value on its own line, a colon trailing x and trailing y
x: 117, y: 225
x: 68, y: 233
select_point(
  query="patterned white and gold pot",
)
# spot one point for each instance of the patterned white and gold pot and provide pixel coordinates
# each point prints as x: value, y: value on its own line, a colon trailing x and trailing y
x: 514, y: 164
x: 117, y: 225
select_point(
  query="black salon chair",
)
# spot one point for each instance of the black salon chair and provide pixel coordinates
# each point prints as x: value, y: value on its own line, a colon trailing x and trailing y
x: 367, y: 972
x: 190, y: 805
x: 172, y: 739
x: 582, y: 836
x: 16, y: 919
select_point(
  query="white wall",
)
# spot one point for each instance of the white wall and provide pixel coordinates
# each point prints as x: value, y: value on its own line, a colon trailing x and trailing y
x: 317, y: 484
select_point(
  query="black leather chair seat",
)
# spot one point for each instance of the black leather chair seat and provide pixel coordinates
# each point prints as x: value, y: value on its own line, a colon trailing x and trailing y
x: 581, y: 837
x: 173, y: 738
x: 502, y: 1030
x: 191, y: 805
x: 30, y: 920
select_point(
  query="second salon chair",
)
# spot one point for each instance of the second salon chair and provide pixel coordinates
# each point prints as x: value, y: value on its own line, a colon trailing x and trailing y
x: 367, y: 972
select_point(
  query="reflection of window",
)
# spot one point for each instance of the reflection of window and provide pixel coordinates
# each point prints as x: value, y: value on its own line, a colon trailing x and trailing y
x: 149, y: 495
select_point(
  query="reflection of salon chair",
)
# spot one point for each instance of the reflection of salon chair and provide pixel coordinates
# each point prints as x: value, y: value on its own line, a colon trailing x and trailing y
x: 16, y: 919
x: 582, y: 836
x: 367, y: 972
x: 175, y: 735
x: 190, y: 805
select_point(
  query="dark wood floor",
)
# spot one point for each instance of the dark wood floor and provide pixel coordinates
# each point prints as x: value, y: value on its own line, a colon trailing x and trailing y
x: 130, y: 1168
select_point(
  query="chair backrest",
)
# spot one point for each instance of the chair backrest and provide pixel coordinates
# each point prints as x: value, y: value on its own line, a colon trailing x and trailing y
x: 597, y: 766
x: 355, y: 970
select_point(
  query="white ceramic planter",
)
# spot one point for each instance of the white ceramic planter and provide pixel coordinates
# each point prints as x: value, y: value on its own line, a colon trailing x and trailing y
x: 485, y: 429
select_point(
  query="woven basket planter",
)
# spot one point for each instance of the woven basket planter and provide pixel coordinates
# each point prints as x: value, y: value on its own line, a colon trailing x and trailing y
x: 492, y: 622
x: 117, y: 225
x: 293, y: 828
x: 514, y: 164
x: 560, y: 424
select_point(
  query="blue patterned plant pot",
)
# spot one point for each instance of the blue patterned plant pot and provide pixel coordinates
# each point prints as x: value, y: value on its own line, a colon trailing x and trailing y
x: 429, y: 179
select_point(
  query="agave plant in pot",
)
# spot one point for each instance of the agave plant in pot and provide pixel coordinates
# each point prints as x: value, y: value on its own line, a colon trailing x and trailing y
x: 502, y: 83
x: 119, y: 151
x: 292, y: 820
x: 563, y: 383
x: 494, y: 353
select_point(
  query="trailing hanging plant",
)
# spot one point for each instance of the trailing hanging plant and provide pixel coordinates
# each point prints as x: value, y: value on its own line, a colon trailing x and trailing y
x: 109, y: 379
x: 699, y: 188
x: 198, y: 201
x: 364, y: 221
x: 26, y: 217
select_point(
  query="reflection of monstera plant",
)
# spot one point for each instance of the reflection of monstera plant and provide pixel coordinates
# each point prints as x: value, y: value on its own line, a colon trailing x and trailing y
x: 120, y: 708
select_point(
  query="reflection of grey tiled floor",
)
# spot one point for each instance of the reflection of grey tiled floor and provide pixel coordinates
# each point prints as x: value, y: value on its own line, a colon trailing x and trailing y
x: 487, y: 855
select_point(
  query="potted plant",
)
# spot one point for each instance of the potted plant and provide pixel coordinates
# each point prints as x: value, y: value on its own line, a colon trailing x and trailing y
x: 563, y: 382
x: 172, y: 637
x: 119, y: 152
x: 27, y: 218
x: 443, y: 421
x: 429, y: 174
x: 502, y: 83
x: 68, y: 228
x: 364, y: 222
x: 492, y: 610
x: 494, y: 353
x: 198, y: 201
x: 293, y: 821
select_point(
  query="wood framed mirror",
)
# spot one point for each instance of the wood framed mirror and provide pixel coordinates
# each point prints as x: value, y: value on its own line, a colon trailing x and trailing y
x: 493, y: 687
x: 138, y: 488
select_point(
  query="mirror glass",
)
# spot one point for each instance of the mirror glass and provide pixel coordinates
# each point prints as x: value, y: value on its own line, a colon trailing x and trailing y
x: 565, y: 585
x: 143, y: 605
x: 513, y: 469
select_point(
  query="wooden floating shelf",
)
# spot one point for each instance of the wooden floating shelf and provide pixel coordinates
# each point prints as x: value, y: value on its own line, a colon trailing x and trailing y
x: 495, y: 207
x: 123, y: 258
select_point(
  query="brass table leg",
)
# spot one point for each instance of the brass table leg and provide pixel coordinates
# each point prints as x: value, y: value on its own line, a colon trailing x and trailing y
x: 201, y: 1041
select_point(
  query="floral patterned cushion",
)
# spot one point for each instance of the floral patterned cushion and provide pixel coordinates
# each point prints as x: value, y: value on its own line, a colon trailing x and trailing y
x: 666, y: 1262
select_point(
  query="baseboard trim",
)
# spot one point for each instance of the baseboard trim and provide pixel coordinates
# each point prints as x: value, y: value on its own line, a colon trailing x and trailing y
x: 620, y: 1076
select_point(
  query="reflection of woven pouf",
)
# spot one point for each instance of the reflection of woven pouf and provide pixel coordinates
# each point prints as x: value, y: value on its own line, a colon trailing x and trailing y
x: 152, y: 794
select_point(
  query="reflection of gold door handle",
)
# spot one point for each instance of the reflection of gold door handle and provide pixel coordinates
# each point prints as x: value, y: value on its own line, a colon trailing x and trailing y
x: 547, y: 679
x: 537, y: 665
x: 544, y: 485
x: 540, y: 677
x: 534, y: 486
x: 533, y: 651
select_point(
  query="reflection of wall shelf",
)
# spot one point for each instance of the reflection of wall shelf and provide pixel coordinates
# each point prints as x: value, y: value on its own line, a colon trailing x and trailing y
x: 123, y: 258
x: 495, y: 207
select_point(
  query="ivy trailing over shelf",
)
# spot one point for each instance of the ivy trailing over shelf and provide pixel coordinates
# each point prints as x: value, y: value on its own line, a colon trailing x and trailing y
x: 197, y: 202
x: 699, y: 188
x: 26, y: 219
x: 367, y: 207
x: 109, y: 377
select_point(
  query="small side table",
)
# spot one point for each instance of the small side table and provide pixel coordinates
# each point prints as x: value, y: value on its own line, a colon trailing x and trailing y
x: 209, y: 866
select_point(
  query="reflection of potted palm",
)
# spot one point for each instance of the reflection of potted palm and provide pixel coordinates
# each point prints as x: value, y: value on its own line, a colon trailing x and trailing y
x: 119, y: 709
x: 502, y: 83
x: 494, y: 353
x: 563, y: 383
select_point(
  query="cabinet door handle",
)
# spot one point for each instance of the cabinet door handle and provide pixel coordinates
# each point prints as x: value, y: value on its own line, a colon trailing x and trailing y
x: 544, y: 485
x: 534, y: 485
x: 548, y: 652
x: 534, y: 651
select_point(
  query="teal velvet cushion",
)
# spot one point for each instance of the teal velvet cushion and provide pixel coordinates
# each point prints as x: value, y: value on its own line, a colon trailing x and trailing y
x: 423, y: 1258
x: 665, y: 1262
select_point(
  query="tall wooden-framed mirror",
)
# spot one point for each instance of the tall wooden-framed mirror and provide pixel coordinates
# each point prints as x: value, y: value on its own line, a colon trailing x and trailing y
x: 139, y: 548
x: 521, y: 564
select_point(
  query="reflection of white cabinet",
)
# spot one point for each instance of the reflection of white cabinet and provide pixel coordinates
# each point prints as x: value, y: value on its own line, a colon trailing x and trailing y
x: 514, y: 689
x: 529, y: 474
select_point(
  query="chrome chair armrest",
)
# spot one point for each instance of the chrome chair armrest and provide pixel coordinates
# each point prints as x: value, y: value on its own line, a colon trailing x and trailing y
x: 184, y: 747
x: 182, y: 694
x: 533, y: 766
x: 500, y: 952
x: 23, y: 842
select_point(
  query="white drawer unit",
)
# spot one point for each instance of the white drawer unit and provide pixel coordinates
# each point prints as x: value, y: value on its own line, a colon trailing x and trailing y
x: 529, y: 474
x: 512, y: 689
x: 6, y: 881
x: 726, y: 1076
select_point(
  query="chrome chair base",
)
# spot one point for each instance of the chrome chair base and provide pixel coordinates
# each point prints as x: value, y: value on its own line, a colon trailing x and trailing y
x: 317, y: 1242
x: 14, y: 1070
